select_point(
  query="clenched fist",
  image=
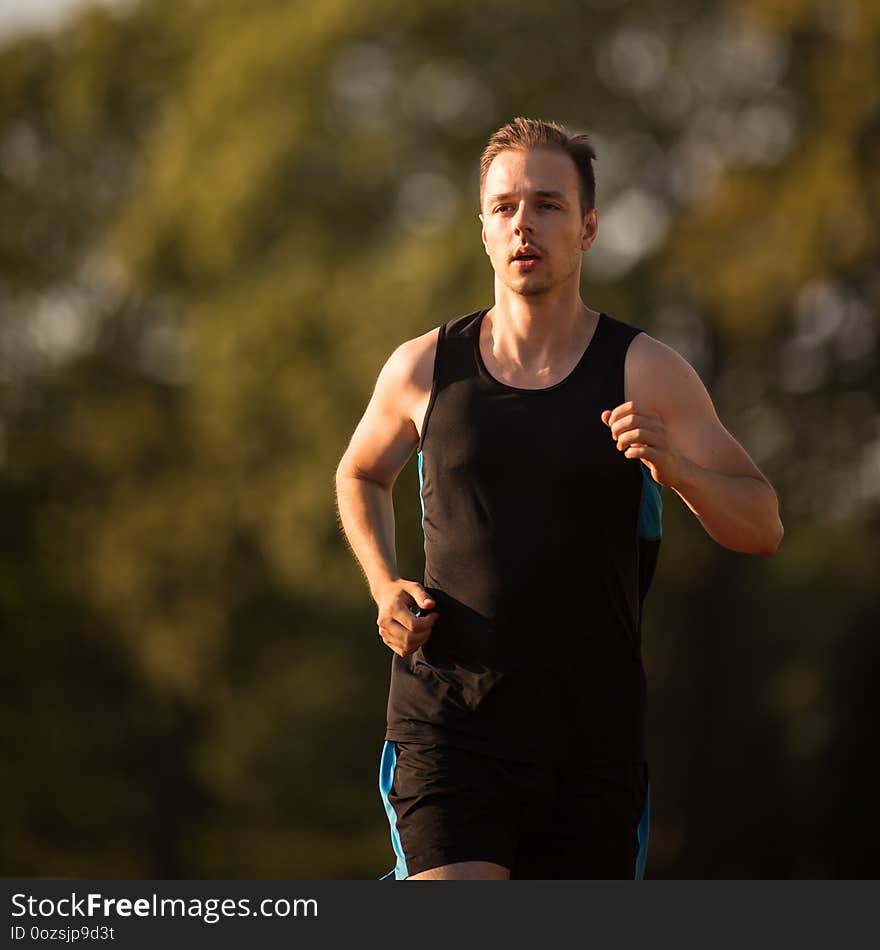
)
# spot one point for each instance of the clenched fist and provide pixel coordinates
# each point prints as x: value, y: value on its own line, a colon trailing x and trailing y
x: 641, y: 434
x: 399, y: 627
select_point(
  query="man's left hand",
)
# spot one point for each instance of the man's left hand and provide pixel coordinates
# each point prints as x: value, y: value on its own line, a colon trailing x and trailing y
x: 641, y: 434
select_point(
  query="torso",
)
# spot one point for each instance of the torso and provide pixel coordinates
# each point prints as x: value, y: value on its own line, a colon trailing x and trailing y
x: 537, y: 551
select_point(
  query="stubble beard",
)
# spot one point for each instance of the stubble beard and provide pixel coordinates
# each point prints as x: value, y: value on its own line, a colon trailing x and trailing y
x: 531, y: 288
x: 533, y: 285
x: 529, y: 285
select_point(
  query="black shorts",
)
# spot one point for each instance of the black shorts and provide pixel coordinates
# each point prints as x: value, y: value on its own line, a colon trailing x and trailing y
x: 542, y: 822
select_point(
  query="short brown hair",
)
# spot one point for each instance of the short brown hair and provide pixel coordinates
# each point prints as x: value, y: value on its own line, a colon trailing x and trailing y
x: 536, y: 133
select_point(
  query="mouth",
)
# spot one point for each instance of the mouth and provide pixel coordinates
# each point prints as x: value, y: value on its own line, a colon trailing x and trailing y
x: 525, y: 259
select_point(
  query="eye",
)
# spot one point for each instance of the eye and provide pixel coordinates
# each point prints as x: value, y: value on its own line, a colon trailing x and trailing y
x: 549, y: 204
x: 503, y: 207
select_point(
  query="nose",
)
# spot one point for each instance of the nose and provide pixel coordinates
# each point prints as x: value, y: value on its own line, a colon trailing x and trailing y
x: 522, y: 221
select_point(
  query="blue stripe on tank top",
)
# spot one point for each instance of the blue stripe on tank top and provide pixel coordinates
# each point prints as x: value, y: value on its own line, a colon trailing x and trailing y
x: 650, y: 507
x: 650, y: 528
x: 386, y: 778
x: 422, y: 497
x: 643, y: 833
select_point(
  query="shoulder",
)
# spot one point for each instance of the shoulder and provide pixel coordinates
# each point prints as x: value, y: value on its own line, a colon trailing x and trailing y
x: 649, y: 353
x: 411, y: 365
x: 658, y: 373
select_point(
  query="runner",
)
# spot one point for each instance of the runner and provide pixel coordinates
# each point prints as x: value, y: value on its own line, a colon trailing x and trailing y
x: 545, y: 430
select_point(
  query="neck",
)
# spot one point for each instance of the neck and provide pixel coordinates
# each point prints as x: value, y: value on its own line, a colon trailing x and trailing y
x: 533, y: 329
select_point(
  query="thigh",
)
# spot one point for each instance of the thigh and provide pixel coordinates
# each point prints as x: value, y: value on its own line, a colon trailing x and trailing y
x: 595, y: 828
x: 446, y: 806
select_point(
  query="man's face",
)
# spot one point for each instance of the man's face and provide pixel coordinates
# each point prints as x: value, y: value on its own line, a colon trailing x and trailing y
x: 533, y: 229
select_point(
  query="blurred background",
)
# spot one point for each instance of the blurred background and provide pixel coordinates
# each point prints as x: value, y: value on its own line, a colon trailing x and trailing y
x: 218, y: 219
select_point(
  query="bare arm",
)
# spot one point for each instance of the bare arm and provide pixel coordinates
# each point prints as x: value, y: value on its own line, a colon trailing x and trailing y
x: 380, y: 447
x: 670, y: 424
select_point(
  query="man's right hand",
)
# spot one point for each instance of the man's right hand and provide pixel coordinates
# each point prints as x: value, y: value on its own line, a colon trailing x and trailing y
x: 402, y: 631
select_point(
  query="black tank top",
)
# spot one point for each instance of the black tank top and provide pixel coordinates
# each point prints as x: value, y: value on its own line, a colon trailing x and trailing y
x: 541, y: 540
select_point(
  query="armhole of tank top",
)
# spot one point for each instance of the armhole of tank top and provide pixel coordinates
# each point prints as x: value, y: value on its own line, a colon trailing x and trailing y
x: 431, y: 399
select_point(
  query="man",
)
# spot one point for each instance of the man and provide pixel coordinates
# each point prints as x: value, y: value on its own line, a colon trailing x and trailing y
x: 515, y: 742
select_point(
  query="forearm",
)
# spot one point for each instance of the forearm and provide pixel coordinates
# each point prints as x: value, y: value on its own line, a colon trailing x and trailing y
x: 740, y: 512
x: 366, y: 512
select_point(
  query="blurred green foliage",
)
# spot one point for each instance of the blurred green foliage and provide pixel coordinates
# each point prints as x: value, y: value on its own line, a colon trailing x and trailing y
x: 216, y: 222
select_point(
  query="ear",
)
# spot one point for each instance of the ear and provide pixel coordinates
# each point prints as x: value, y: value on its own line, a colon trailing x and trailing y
x: 590, y: 229
x: 483, y: 234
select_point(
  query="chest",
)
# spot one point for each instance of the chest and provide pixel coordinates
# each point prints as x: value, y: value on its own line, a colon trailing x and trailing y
x: 555, y: 439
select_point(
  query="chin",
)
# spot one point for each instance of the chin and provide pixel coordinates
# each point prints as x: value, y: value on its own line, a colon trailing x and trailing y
x: 530, y: 289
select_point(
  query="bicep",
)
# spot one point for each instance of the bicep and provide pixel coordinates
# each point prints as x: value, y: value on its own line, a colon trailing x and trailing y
x: 386, y: 434
x: 689, y: 416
